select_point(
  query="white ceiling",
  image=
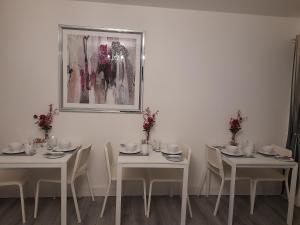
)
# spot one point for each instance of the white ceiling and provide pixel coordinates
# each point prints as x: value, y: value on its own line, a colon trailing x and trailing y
x: 285, y: 8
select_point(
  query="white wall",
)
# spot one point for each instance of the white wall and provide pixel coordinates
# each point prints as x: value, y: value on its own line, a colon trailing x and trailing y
x: 200, y: 68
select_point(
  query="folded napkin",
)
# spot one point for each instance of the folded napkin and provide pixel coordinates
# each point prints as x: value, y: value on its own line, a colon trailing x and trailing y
x: 54, y: 153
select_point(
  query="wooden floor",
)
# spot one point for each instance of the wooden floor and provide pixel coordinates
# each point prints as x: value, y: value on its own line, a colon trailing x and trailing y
x: 164, y: 211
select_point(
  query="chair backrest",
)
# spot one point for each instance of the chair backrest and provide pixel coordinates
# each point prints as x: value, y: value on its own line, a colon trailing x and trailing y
x: 186, y: 151
x: 282, y: 151
x: 81, y: 161
x: 109, y: 158
x: 214, y: 160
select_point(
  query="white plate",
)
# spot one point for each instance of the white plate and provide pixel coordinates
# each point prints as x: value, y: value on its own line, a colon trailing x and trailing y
x: 267, y: 153
x: 125, y: 151
x: 166, y: 151
x: 72, y: 148
x: 230, y: 153
x: 284, y: 158
x: 53, y: 156
x: 12, y: 152
x: 174, y: 158
x: 219, y: 146
x: 53, y: 153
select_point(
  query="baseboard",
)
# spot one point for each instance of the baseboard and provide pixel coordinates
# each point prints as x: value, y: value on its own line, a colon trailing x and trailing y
x: 100, y: 190
x: 133, y: 189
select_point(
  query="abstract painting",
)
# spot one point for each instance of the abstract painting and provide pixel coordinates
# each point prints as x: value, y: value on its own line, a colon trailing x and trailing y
x: 101, y: 70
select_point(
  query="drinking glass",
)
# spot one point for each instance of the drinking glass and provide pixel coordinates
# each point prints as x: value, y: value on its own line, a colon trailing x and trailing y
x: 52, y: 142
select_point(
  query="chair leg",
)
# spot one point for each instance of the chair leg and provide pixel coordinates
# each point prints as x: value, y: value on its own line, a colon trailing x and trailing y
x: 149, y: 198
x: 190, y: 208
x: 208, y: 183
x: 22, y: 203
x: 145, y: 197
x: 75, y: 202
x: 105, y: 199
x: 253, y: 195
x: 203, y: 182
x: 219, y: 197
x: 89, y: 186
x: 36, y: 204
x: 287, y: 189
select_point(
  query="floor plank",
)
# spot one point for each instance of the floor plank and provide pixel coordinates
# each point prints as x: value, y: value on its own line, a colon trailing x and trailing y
x: 165, y: 210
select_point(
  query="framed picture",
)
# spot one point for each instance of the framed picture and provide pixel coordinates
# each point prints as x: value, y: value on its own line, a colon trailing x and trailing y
x: 101, y: 70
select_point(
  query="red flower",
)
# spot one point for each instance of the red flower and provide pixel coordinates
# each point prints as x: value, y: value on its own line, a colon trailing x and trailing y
x: 41, y: 123
x: 150, y: 119
x: 44, y: 121
x: 42, y: 117
x: 235, y: 123
x: 146, y: 126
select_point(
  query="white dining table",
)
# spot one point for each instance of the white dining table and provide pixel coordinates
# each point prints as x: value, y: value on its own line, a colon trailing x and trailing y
x: 259, y: 161
x: 153, y: 160
x: 39, y: 161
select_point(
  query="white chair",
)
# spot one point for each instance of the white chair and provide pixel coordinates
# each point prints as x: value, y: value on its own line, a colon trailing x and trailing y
x: 262, y: 174
x: 80, y: 168
x: 169, y: 176
x: 127, y: 175
x: 10, y: 177
x: 215, y: 165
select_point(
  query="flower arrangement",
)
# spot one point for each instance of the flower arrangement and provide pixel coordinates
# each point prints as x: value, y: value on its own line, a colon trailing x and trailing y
x: 149, y: 121
x: 235, y: 125
x: 44, y: 121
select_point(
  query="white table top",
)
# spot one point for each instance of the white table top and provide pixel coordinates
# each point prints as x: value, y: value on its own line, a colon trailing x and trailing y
x: 258, y: 161
x: 153, y: 158
x: 38, y: 158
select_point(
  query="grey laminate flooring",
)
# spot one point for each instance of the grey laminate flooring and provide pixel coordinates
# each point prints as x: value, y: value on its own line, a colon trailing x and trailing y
x: 165, y: 210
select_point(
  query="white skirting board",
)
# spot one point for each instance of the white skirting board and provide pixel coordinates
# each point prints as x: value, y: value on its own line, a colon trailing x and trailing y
x: 131, y: 189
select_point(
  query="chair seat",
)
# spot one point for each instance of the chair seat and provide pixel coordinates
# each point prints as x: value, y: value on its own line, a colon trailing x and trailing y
x: 12, y: 177
x: 129, y: 174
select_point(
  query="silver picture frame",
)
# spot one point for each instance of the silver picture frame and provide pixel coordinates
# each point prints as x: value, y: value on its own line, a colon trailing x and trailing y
x: 83, y: 101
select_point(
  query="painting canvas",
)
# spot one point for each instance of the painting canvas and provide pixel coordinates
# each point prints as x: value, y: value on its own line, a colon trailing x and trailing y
x: 101, y: 69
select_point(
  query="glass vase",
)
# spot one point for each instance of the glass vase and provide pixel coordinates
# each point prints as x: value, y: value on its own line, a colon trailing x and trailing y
x: 46, y: 135
x: 147, y: 137
x: 233, y: 139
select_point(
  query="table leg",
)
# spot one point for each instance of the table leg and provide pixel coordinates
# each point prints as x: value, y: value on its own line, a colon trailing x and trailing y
x: 118, y: 197
x: 231, y: 198
x: 63, y: 195
x: 184, y: 194
x: 292, y: 195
